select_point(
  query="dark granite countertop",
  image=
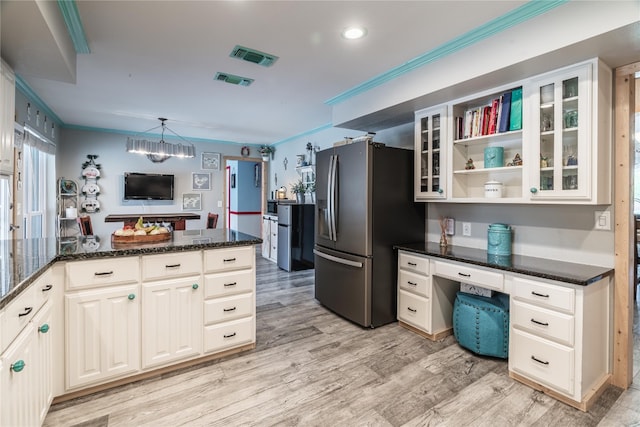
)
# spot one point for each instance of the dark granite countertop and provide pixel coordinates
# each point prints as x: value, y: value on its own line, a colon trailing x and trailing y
x: 23, y: 261
x: 578, y: 274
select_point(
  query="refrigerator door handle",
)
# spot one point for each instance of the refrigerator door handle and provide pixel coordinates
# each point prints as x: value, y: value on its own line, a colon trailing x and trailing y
x: 333, y: 170
x: 338, y: 259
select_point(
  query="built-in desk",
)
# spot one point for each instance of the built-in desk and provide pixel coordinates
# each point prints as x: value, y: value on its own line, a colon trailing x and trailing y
x: 177, y: 220
x: 560, y: 312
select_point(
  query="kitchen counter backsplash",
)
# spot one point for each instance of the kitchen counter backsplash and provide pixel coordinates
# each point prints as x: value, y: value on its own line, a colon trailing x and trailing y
x: 578, y: 274
x: 23, y: 260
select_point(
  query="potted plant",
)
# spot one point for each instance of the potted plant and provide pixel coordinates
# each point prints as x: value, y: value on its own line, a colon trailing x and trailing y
x: 265, y: 150
x: 299, y: 188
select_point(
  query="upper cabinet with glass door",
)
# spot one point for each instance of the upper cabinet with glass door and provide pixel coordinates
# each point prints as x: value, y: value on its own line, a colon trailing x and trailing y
x: 430, y: 161
x: 570, y: 134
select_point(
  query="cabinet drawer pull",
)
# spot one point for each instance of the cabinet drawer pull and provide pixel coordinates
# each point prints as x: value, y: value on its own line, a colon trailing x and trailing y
x: 412, y: 310
x: 412, y: 264
x: 539, y: 295
x: 18, y: 366
x: 27, y: 311
x: 47, y: 288
x: 228, y: 309
x: 539, y: 323
x: 104, y: 273
x: 229, y: 335
x: 464, y: 274
x: 539, y: 361
x: 228, y: 260
x: 230, y: 284
x: 44, y: 328
x: 172, y: 266
x: 411, y: 283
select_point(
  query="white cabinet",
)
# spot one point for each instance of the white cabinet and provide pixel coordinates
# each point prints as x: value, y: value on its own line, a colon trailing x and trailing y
x: 171, y: 308
x: 26, y: 372
x: 102, y: 320
x: 570, y: 133
x: 270, y: 237
x: 559, y: 337
x: 430, y: 153
x: 229, y: 298
x: 7, y: 117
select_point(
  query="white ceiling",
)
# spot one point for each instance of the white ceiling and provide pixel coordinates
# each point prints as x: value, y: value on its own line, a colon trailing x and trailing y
x: 153, y: 59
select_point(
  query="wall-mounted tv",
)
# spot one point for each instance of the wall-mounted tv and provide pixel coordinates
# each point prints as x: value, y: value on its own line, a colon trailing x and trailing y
x: 148, y: 186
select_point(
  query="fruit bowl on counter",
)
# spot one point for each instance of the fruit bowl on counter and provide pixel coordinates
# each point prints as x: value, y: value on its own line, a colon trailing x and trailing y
x: 141, y: 234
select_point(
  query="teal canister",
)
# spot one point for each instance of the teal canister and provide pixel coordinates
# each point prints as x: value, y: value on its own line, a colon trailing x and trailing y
x: 499, y: 240
x: 493, y: 157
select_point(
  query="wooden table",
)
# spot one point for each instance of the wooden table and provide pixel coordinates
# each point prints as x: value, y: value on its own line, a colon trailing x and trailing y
x: 177, y: 220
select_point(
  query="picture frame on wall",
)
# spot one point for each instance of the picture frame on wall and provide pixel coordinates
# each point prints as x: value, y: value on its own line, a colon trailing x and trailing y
x: 191, y: 202
x: 210, y: 161
x: 201, y: 181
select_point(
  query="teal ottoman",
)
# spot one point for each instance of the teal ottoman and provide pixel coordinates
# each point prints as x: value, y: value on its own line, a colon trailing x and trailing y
x: 481, y: 324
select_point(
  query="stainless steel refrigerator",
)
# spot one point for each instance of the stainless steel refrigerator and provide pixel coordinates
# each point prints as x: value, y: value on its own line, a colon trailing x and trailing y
x: 364, y: 205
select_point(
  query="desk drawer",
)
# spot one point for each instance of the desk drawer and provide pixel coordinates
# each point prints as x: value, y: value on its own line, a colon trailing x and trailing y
x: 102, y: 272
x: 167, y: 266
x: 223, y: 309
x: 414, y: 263
x: 545, y: 295
x: 415, y: 283
x: 547, y: 362
x: 475, y: 276
x: 543, y: 322
x: 415, y: 310
x: 235, y: 258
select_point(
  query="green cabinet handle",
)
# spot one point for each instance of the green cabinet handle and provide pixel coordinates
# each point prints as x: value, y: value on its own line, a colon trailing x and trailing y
x: 440, y: 190
x: 132, y: 296
x: 534, y: 190
x: 18, y: 366
x: 44, y: 328
x: 194, y: 286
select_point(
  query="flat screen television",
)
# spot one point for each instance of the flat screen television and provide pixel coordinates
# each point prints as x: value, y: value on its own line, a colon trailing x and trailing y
x: 148, y: 186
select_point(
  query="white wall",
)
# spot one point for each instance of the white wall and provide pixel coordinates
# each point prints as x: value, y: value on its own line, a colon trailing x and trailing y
x: 74, y: 145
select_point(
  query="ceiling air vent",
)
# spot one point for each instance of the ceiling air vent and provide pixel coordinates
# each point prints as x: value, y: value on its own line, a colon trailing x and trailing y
x: 234, y: 80
x: 252, y: 55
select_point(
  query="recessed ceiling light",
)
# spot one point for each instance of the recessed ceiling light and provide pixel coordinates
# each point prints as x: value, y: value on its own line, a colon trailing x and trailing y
x: 353, y: 33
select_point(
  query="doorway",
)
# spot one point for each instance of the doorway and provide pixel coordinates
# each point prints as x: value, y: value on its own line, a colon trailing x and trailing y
x: 244, y: 199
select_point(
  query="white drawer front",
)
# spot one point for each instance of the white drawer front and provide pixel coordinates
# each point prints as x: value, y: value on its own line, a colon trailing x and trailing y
x: 544, y: 361
x: 413, y: 263
x: 43, y: 288
x: 94, y: 273
x: 171, y: 265
x: 230, y: 334
x: 16, y: 315
x: 223, y: 309
x: 543, y: 322
x: 222, y: 284
x: 414, y: 310
x: 235, y: 258
x: 475, y: 276
x: 415, y: 283
x: 546, y: 295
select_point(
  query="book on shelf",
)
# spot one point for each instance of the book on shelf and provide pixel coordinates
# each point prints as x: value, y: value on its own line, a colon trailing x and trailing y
x: 505, y: 112
x: 493, y: 116
x: 515, y: 120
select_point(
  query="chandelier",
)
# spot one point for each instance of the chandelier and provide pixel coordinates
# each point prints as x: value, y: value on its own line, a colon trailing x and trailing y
x: 159, y: 151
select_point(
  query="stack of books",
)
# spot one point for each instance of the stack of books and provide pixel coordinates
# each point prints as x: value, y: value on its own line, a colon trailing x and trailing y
x: 503, y: 114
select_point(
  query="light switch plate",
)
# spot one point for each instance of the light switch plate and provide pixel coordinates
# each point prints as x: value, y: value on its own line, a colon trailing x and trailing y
x: 466, y: 229
x: 219, y: 203
x: 603, y: 220
x: 450, y: 226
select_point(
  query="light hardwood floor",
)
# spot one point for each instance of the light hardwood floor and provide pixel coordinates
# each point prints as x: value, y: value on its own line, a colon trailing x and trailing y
x: 313, y: 368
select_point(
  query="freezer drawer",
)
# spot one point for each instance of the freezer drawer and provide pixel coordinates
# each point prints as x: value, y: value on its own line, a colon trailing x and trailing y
x: 343, y: 284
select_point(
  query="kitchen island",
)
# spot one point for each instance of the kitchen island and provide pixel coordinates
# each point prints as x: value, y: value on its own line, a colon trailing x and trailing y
x: 82, y: 315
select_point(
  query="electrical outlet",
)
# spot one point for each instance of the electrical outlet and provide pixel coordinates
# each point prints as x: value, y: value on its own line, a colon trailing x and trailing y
x: 603, y: 220
x: 466, y: 229
x: 450, y: 226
